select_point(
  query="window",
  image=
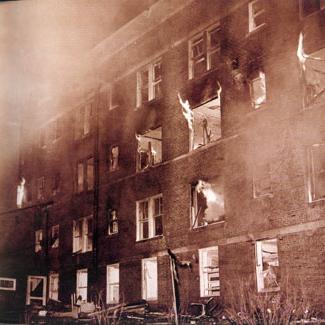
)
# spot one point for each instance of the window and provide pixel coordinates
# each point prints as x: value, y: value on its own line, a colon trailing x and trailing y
x: 207, y: 203
x: 83, y: 235
x: 149, y: 217
x: 207, y: 124
x: 262, y: 181
x: 267, y: 265
x: 54, y: 236
x: 149, y: 279
x: 38, y: 240
x: 40, y: 188
x: 256, y: 15
x: 82, y: 284
x: 308, y: 7
x: 36, y: 289
x: 149, y: 151
x: 21, y: 193
x: 149, y: 83
x: 85, y: 175
x: 316, y: 172
x: 8, y: 284
x: 204, y: 51
x: 113, y: 158
x: 258, y: 90
x: 83, y: 121
x: 112, y: 222
x: 54, y: 286
x: 113, y: 284
x: 56, y: 182
x: 209, y: 272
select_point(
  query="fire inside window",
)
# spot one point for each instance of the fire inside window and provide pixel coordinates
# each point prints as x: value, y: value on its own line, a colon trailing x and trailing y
x: 150, y: 279
x: 82, y: 284
x: 54, y: 236
x: 209, y: 272
x: 113, y: 158
x: 317, y: 172
x: 38, y: 240
x: 149, y: 151
x: 204, y: 50
x: 149, y: 83
x: 206, y: 124
x: 112, y: 222
x: 258, y: 90
x: 54, y: 286
x: 256, y: 15
x: 82, y: 235
x: 308, y: 7
x: 267, y: 265
x: 207, y: 205
x: 149, y: 217
x: 113, y: 284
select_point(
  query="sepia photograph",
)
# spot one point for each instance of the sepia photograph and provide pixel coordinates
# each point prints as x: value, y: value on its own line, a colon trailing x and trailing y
x: 162, y: 162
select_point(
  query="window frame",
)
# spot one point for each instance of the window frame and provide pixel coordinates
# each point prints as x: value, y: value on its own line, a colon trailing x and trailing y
x: 38, y: 240
x: 14, y: 282
x: 144, y: 292
x: 108, y: 283
x: 78, y: 287
x: 53, y: 293
x: 40, y: 183
x: 151, y: 220
x: 82, y: 183
x: 56, y: 243
x: 112, y: 221
x: 252, y: 16
x: 84, y: 238
x: 205, y: 282
x: 260, y: 78
x: 111, y: 158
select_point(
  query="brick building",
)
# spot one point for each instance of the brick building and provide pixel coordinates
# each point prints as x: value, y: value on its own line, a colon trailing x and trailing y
x: 205, y: 137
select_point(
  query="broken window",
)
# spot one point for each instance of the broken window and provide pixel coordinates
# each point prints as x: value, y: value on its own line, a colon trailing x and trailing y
x: 149, y: 150
x: 317, y: 172
x: 308, y: 7
x: 113, y: 158
x: 7, y: 284
x: 149, y: 217
x: 257, y: 89
x: 204, y: 51
x: 21, y: 193
x: 207, y: 203
x: 149, y: 83
x: 207, y: 124
x: 83, y: 235
x: 90, y: 174
x: 150, y: 279
x: 38, y: 240
x: 256, y: 15
x: 36, y: 289
x: 267, y: 265
x: 112, y: 222
x: 54, y: 286
x: 113, y: 284
x: 54, y: 236
x: 209, y: 272
x: 82, y: 284
x: 40, y: 188
x: 262, y: 181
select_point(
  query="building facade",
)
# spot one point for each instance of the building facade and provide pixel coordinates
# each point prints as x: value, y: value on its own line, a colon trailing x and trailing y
x: 206, y: 139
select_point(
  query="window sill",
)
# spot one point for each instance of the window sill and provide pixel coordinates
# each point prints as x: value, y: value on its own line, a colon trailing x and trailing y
x: 148, y: 239
x: 112, y: 235
x: 80, y: 253
x: 148, y: 103
x: 149, y: 167
x: 256, y: 30
x: 221, y: 222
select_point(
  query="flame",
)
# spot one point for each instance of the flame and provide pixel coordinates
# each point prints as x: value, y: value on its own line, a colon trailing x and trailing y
x: 219, y: 91
x: 187, y: 112
x: 300, y: 51
x: 210, y: 195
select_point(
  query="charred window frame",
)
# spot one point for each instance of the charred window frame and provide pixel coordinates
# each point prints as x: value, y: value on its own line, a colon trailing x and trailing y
x: 113, y: 157
x: 8, y: 284
x: 54, y: 286
x: 207, y: 202
x: 267, y: 265
x: 149, y: 151
x: 256, y: 15
x: 40, y: 188
x: 262, y: 186
x: 209, y: 272
x: 149, y: 217
x: 82, y: 233
x: 113, y: 284
x: 38, y: 240
x: 204, y: 51
x: 82, y: 284
x: 149, y: 81
x: 112, y: 222
x: 308, y: 7
x: 54, y: 236
x: 150, y: 279
x: 85, y: 175
x: 257, y: 87
x: 316, y: 171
